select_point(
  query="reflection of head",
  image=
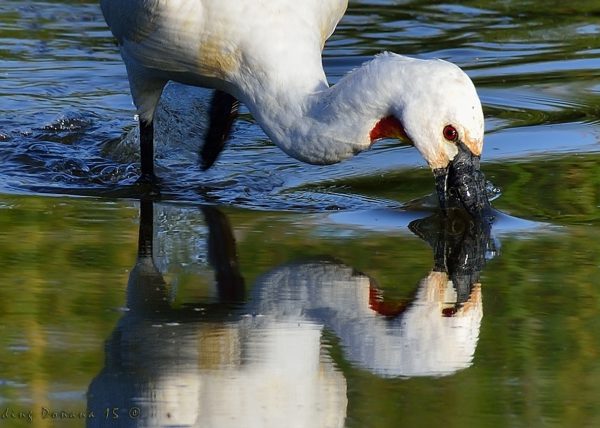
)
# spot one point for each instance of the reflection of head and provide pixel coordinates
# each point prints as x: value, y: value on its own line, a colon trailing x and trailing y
x: 435, y: 334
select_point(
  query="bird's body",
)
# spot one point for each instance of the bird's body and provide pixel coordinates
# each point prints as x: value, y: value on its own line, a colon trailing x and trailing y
x: 224, y: 44
x: 267, y: 54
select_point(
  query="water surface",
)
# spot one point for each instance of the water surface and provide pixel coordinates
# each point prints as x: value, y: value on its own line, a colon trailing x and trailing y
x: 320, y: 292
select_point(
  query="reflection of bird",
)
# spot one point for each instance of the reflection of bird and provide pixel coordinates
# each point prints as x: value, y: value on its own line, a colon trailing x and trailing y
x: 218, y: 366
x: 267, y: 54
x: 185, y: 367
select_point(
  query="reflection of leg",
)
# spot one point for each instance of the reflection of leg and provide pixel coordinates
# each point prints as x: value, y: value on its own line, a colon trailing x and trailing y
x: 222, y: 256
x: 223, y: 111
x: 146, y: 233
x: 146, y: 289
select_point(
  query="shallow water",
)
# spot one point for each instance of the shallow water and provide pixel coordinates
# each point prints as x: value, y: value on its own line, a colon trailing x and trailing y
x: 317, y: 292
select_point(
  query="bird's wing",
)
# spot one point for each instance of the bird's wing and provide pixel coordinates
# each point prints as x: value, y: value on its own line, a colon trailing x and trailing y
x: 208, y: 37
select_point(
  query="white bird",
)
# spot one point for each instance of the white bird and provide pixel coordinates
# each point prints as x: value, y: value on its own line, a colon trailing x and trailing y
x: 267, y: 54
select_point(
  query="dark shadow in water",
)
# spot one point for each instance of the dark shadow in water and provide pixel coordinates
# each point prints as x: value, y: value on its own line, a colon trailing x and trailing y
x: 238, y: 363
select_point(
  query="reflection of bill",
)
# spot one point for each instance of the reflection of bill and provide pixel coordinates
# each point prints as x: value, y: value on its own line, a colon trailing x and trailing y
x: 220, y: 367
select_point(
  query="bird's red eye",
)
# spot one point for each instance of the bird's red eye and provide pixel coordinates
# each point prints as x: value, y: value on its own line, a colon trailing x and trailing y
x: 450, y: 133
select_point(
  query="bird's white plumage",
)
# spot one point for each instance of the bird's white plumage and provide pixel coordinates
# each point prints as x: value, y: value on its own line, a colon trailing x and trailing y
x: 267, y: 53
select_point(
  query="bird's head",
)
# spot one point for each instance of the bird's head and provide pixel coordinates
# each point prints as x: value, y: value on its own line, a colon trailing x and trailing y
x: 438, y: 111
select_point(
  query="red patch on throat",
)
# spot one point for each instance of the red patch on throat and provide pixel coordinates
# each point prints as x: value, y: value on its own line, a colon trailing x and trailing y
x: 389, y: 309
x: 388, y: 127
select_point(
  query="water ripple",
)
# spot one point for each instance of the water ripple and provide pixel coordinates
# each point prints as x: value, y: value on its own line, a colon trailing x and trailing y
x: 67, y: 121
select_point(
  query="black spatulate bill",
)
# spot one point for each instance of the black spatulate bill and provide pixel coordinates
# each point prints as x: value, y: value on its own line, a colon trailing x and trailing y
x: 462, y: 184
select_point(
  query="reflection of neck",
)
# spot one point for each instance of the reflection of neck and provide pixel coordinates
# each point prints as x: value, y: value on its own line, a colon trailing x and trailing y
x: 429, y: 335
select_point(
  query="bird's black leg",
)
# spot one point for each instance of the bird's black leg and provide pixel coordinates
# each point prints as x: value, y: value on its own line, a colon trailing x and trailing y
x: 222, y: 114
x: 147, y: 152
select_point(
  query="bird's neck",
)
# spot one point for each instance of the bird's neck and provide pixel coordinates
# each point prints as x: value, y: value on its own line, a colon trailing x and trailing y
x: 319, y: 124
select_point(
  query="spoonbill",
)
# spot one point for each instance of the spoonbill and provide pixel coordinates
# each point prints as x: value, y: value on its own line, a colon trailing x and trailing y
x: 267, y: 55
